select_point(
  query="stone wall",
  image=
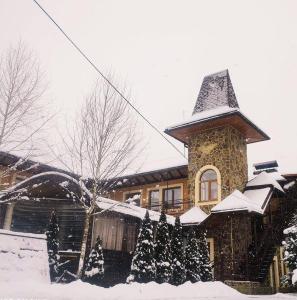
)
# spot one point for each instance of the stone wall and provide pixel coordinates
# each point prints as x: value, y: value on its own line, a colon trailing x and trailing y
x: 224, y: 148
x: 232, y: 237
x: 250, y: 287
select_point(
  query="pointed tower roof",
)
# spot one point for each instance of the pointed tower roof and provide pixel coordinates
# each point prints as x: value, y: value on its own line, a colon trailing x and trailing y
x: 216, y: 106
x: 216, y: 90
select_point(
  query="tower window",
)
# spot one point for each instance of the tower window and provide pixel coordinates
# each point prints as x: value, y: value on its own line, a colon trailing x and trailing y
x: 208, y: 186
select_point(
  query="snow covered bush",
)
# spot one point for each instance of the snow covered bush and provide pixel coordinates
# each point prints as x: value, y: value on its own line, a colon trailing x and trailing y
x: 192, y: 258
x: 178, y: 255
x: 290, y: 247
x: 162, y: 251
x: 94, y: 269
x: 53, y: 246
x: 143, y: 262
x: 204, y: 263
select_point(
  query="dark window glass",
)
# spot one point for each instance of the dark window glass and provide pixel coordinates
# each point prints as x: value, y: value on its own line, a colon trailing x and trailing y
x: 172, y: 197
x: 154, y: 200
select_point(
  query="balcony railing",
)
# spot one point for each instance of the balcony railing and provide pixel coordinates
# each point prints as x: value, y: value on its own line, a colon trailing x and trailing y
x: 179, y: 205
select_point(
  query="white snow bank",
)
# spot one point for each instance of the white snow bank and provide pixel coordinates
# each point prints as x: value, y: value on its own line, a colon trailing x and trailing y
x: 265, y: 178
x: 236, y: 202
x: 135, y: 291
x: 130, y: 209
x: 294, y: 277
x: 195, y: 215
x: 23, y: 257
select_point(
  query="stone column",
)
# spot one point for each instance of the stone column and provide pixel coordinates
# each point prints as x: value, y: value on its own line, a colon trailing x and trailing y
x: 8, y: 216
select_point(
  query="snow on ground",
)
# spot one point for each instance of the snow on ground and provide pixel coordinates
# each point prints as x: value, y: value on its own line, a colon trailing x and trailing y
x: 151, y: 291
x: 23, y: 255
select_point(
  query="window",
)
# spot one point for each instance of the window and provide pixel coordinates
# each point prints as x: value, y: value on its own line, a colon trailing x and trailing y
x: 172, y: 197
x: 133, y: 198
x: 208, y: 186
x: 154, y: 200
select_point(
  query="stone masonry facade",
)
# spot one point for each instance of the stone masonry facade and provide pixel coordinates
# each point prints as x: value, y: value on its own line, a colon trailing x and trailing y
x: 225, y: 148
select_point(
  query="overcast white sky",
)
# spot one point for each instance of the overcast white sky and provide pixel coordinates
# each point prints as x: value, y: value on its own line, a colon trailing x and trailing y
x: 163, y: 49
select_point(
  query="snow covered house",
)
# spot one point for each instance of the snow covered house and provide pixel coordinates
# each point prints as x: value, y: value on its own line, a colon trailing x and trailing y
x: 244, y: 218
x: 27, y: 205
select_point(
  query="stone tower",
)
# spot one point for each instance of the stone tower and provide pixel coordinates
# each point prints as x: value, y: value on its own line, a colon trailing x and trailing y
x: 216, y: 135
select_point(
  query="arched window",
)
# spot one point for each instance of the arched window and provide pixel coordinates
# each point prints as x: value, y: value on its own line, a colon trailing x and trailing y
x: 209, y: 186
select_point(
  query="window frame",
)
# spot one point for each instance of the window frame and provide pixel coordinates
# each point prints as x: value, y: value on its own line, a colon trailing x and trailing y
x: 198, y: 200
x: 150, y: 202
x: 173, y: 205
x: 133, y: 192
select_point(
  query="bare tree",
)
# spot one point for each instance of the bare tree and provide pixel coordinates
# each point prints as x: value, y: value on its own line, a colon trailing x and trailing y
x: 101, y: 145
x: 22, y: 116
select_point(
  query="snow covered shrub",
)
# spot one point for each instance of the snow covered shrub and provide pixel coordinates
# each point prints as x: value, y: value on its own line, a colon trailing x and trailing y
x: 94, y: 269
x: 192, y: 258
x: 143, y: 262
x: 162, y: 251
x: 178, y: 255
x: 204, y: 263
x: 53, y: 246
x: 290, y: 247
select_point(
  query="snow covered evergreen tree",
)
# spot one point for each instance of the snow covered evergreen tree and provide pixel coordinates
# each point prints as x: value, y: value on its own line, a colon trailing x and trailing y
x: 53, y: 246
x: 204, y: 263
x: 143, y: 262
x: 192, y: 258
x: 94, y: 269
x: 162, y: 251
x: 178, y: 255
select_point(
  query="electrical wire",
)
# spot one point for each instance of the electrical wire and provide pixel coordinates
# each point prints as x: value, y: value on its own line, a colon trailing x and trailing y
x: 106, y: 79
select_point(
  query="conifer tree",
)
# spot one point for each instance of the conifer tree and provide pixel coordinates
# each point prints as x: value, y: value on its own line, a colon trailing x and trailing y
x: 143, y: 262
x: 178, y: 255
x: 192, y: 258
x: 94, y: 269
x: 53, y: 246
x: 162, y: 251
x: 204, y: 263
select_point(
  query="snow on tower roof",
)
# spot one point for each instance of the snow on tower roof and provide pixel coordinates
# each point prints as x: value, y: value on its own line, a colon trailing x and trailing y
x: 265, y: 178
x: 216, y: 90
x: 195, y: 215
x: 130, y: 209
x: 236, y: 202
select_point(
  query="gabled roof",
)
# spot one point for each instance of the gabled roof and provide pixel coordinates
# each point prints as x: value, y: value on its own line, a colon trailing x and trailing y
x: 216, y: 90
x: 195, y: 215
x: 266, y: 179
x: 236, y: 202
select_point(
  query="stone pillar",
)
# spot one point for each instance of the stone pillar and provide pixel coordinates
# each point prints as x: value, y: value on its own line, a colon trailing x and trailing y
x: 8, y: 216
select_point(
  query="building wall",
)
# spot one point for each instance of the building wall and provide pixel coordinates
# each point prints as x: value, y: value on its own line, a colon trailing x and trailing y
x: 232, y: 237
x: 224, y: 148
x: 118, y: 194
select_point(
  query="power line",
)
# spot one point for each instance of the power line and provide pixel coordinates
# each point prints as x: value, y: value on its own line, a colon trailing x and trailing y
x: 106, y: 79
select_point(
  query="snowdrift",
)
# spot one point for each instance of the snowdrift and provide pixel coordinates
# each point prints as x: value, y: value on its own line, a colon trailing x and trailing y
x: 150, y: 291
x: 23, y: 256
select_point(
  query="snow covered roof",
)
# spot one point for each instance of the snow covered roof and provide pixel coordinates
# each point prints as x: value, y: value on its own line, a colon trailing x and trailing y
x: 23, y: 257
x: 216, y: 90
x: 259, y: 197
x: 205, y: 115
x: 195, y: 215
x: 130, y: 209
x: 236, y: 202
x: 265, y: 178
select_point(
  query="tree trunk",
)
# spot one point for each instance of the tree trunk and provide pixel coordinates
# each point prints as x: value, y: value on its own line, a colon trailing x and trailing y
x: 84, y: 245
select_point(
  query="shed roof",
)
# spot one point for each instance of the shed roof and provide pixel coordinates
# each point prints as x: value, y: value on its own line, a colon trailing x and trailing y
x: 195, y: 215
